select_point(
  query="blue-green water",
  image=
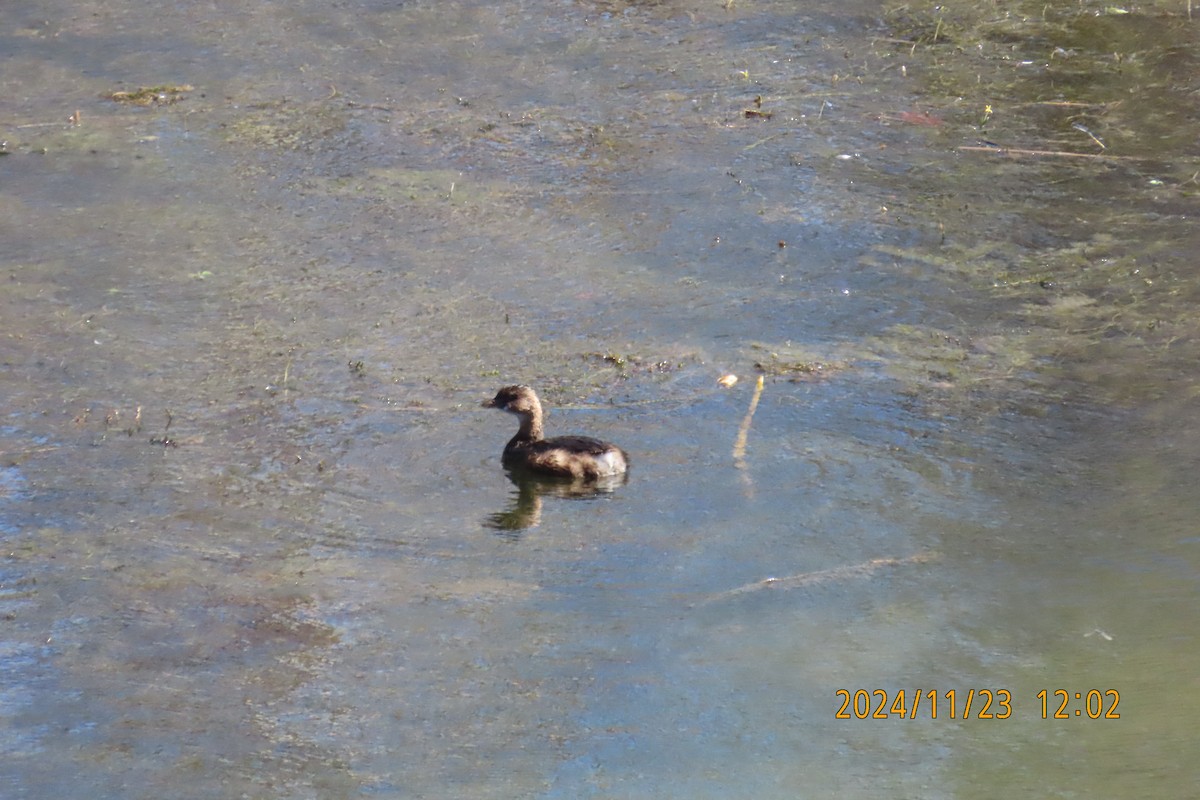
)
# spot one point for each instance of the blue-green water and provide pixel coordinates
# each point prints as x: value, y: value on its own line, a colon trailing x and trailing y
x: 245, y: 482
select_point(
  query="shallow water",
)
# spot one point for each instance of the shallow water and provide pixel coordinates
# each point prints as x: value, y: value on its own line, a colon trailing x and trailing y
x: 246, y: 484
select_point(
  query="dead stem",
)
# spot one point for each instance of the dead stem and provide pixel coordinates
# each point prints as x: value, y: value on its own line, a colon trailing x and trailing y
x: 807, y: 579
x: 1018, y: 151
x: 739, y: 445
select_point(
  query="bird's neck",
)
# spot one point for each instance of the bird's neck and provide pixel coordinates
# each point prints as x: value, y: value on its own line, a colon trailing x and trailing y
x: 531, y: 428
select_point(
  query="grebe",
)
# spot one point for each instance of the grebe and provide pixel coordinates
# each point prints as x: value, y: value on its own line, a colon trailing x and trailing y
x: 566, y: 456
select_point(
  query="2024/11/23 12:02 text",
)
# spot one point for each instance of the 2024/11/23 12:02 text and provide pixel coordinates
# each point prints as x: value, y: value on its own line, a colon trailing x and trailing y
x: 981, y: 703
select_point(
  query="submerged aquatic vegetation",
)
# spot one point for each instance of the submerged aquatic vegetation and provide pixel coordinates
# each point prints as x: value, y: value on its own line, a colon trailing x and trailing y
x: 282, y: 125
x: 795, y: 363
x: 162, y: 95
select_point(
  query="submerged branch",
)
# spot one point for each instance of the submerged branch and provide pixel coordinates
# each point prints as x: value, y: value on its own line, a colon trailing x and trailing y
x: 739, y: 445
x: 862, y: 570
x: 1019, y: 151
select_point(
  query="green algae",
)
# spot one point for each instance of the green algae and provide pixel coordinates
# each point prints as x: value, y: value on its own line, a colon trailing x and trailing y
x: 281, y: 124
x: 161, y: 95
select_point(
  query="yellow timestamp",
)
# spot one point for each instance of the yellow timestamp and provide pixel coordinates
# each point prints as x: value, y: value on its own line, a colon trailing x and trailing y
x: 1092, y: 704
x: 972, y: 704
x: 902, y: 704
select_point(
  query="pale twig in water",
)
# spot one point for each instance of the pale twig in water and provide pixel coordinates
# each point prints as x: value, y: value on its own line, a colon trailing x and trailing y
x: 753, y: 145
x: 1077, y: 126
x: 809, y: 579
x: 1017, y: 151
x: 739, y: 445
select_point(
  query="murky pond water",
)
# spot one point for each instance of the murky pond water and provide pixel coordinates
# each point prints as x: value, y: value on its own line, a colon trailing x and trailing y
x: 257, y: 538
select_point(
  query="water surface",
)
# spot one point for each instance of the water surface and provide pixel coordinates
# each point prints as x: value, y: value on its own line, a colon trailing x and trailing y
x: 246, y: 486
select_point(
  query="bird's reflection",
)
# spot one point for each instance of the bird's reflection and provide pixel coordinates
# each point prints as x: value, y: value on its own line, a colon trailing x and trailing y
x: 525, y: 510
